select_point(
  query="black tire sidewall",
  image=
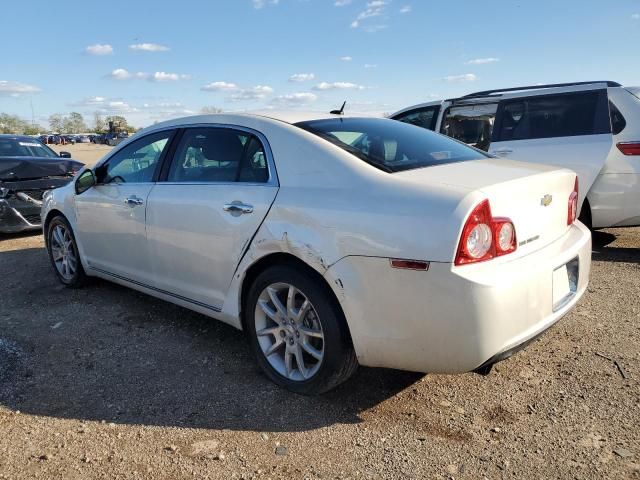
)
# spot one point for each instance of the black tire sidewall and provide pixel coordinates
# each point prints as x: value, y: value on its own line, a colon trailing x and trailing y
x: 336, y: 343
x: 79, y: 275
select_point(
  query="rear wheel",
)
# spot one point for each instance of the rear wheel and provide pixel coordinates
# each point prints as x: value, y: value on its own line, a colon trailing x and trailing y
x: 64, y: 254
x: 297, y: 331
x: 585, y: 214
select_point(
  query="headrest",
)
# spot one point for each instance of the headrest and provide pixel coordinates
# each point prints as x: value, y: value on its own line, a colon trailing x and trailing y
x: 223, y: 146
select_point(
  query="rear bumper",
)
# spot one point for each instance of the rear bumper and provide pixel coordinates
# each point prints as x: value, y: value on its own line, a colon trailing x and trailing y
x: 15, y: 220
x: 455, y: 319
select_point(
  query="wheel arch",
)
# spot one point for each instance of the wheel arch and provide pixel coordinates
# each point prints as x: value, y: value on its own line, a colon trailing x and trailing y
x: 54, y: 212
x: 284, y: 258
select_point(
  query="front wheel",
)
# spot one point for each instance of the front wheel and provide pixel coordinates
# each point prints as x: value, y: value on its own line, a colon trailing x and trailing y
x: 297, y: 331
x: 63, y: 253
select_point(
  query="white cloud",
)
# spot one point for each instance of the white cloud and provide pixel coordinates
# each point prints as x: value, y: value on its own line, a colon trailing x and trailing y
x: 467, y: 77
x: 374, y: 8
x: 294, y: 99
x: 255, y: 93
x: 168, y: 77
x: 148, y: 47
x: 635, y: 16
x: 405, y: 9
x: 15, y: 89
x: 162, y: 105
x: 338, y: 86
x: 346, y: 58
x: 258, y: 4
x: 219, y: 87
x: 342, y: 3
x: 99, y: 49
x: 370, y: 65
x: 482, y: 61
x: 123, y: 74
x: 95, y: 100
x: 301, y: 77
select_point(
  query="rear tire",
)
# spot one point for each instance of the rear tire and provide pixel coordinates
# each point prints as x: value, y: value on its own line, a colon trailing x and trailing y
x: 585, y: 214
x: 297, y: 331
x: 63, y: 253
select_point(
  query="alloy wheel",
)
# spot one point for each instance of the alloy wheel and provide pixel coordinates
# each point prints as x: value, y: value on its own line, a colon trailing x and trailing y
x: 63, y: 252
x: 289, y: 331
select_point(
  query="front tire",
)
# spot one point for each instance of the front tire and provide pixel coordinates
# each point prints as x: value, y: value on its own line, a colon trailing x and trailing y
x: 297, y: 331
x: 64, y: 254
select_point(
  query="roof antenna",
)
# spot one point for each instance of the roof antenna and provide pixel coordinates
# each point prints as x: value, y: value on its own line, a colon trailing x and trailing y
x: 339, y: 112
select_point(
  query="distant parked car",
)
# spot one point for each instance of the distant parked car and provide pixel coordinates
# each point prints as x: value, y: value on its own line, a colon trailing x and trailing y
x: 27, y: 169
x: 592, y: 128
x: 330, y: 240
x: 83, y: 139
x: 114, y: 139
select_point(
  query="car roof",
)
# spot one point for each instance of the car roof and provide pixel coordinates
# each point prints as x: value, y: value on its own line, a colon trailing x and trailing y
x: 290, y: 117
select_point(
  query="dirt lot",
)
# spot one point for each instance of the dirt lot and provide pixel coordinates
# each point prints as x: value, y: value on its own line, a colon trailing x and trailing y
x: 105, y: 382
x: 88, y: 153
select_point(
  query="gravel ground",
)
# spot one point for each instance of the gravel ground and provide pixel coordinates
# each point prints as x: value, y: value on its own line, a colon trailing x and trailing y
x: 105, y: 382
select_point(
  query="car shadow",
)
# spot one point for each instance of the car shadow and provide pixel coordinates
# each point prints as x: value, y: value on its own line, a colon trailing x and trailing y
x: 603, y: 251
x: 106, y: 352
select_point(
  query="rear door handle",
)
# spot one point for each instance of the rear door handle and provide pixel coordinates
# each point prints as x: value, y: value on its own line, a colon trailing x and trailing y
x: 241, y: 208
x: 133, y: 201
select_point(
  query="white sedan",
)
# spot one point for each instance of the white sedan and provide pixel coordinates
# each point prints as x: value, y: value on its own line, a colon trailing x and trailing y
x: 332, y: 241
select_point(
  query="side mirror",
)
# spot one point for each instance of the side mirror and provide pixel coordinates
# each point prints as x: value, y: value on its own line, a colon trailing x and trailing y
x: 65, y: 155
x: 85, y: 181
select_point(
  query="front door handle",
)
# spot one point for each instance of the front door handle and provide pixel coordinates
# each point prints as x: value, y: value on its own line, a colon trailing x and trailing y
x: 240, y: 208
x: 133, y: 201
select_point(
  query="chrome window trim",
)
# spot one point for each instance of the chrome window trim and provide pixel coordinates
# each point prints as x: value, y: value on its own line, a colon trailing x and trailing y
x: 271, y: 166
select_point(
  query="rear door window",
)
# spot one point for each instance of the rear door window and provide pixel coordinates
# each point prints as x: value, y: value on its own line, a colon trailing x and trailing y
x: 471, y: 124
x: 425, y: 117
x: 219, y: 155
x: 549, y: 116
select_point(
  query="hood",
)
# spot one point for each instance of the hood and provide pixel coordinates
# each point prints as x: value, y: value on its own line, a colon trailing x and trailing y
x: 23, y: 168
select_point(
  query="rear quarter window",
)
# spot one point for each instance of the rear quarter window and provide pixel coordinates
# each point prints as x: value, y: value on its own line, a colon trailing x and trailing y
x: 548, y: 116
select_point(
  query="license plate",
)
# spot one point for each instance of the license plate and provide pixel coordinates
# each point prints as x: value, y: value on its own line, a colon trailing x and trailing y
x: 565, y: 283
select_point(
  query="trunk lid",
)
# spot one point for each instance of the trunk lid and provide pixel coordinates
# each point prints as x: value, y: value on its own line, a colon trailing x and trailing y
x: 535, y: 197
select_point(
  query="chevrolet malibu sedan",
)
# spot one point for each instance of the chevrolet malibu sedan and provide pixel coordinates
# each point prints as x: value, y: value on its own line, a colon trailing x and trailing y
x: 332, y: 241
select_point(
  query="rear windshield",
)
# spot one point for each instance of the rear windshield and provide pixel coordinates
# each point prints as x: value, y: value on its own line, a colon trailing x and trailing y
x: 390, y: 145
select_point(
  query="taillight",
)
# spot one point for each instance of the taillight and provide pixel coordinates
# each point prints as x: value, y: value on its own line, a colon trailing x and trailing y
x: 629, y: 148
x: 485, y: 237
x: 572, y: 211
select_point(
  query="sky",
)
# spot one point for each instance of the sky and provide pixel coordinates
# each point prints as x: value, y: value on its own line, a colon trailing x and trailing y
x: 153, y: 60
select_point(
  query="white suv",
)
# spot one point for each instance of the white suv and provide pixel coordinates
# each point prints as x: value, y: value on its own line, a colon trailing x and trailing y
x: 592, y: 128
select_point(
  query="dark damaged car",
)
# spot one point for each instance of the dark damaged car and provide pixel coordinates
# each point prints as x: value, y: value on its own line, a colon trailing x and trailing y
x: 28, y: 168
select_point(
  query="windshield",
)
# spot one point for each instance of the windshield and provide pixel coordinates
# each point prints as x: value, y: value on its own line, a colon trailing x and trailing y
x: 390, y: 145
x: 24, y: 147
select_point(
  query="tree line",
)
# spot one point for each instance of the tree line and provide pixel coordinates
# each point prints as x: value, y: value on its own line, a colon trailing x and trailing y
x: 72, y: 123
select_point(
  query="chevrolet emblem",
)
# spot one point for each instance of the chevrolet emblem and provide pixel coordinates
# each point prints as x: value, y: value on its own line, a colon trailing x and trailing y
x: 546, y: 200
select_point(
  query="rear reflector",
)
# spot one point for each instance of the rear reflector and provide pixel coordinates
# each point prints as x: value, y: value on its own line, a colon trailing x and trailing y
x: 409, y: 264
x: 629, y: 148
